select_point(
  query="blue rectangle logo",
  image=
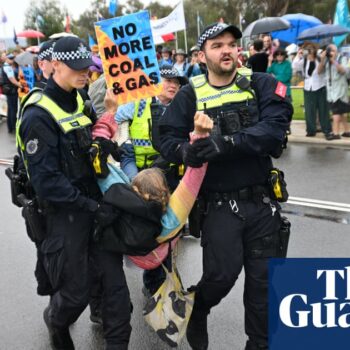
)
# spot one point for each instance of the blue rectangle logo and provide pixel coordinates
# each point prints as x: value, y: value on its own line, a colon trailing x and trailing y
x: 309, y: 304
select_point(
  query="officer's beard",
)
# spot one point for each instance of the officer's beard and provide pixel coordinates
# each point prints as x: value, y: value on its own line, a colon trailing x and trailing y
x: 217, y: 69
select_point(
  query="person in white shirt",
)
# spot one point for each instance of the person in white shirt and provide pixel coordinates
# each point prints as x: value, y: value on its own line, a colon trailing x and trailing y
x: 315, y: 94
x: 337, y: 73
x: 180, y: 62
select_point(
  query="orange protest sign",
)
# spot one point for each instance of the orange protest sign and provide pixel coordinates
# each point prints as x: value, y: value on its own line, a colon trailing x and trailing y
x: 128, y: 57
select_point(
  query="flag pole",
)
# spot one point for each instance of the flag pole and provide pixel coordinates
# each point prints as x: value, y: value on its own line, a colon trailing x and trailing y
x: 198, y: 28
x: 185, y: 34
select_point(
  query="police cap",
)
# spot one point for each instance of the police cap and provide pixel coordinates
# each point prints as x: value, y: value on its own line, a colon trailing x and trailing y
x: 169, y: 72
x: 215, y: 29
x: 45, y: 52
x: 73, y: 52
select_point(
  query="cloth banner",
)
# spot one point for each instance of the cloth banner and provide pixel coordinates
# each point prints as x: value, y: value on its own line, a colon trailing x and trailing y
x: 175, y: 22
x: 129, y: 57
x: 341, y: 17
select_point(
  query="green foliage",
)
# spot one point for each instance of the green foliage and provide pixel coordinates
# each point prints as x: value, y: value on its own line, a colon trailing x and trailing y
x: 84, y: 26
x: 51, y: 14
x: 298, y: 103
x: 208, y: 10
x: 134, y: 6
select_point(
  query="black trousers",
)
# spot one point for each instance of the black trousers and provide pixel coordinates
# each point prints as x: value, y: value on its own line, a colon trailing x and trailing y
x: 12, y: 107
x: 65, y: 255
x: 232, y: 233
x: 116, y: 306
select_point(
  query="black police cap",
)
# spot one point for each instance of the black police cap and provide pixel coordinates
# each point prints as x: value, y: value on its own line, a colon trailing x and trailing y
x: 169, y: 72
x: 215, y: 29
x: 45, y: 52
x: 73, y: 52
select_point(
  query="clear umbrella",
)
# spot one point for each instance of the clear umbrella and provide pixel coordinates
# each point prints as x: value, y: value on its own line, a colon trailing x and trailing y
x: 323, y: 31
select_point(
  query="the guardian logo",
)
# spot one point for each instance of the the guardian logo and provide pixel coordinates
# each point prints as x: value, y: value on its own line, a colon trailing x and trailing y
x: 329, y: 308
x: 309, y: 304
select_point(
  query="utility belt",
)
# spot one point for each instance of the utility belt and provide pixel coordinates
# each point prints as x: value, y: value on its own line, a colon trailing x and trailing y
x: 245, y: 193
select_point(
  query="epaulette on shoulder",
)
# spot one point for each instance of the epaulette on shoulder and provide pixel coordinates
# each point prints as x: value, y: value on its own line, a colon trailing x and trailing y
x: 198, y: 81
x: 247, y: 72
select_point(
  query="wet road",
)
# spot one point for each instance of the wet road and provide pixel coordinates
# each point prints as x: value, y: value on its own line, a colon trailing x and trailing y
x: 311, y: 172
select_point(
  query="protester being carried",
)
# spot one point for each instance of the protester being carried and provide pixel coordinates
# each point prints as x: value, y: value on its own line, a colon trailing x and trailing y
x: 134, y: 211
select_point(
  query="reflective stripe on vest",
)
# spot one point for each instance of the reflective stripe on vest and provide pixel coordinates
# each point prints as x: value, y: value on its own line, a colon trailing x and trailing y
x: 211, y: 97
x: 140, y: 135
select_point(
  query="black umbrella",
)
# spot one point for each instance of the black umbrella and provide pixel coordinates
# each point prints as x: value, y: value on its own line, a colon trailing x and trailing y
x: 266, y: 25
x: 323, y: 31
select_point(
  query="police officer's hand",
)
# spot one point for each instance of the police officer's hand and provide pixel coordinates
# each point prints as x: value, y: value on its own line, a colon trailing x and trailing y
x: 212, y: 147
x: 189, y: 156
x: 109, y: 147
x: 161, y: 163
x: 202, y: 123
x: 106, y: 214
x: 110, y: 102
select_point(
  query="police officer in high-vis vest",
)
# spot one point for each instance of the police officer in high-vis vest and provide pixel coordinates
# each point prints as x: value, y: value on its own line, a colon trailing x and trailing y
x: 54, y: 136
x: 240, y: 221
x: 143, y: 116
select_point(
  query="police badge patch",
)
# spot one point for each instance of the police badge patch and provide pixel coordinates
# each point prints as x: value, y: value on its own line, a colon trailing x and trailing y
x: 32, y: 146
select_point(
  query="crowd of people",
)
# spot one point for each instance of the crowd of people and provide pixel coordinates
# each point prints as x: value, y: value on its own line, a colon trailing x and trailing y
x: 324, y: 75
x: 210, y: 133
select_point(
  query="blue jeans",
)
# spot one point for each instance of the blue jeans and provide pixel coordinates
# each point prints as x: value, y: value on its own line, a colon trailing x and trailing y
x: 128, y: 161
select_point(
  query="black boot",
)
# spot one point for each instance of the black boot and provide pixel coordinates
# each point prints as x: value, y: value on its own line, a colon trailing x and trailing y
x: 60, y: 337
x: 250, y: 345
x: 197, y: 331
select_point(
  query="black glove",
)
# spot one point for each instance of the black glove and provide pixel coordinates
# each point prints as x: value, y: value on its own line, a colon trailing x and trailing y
x: 190, y: 156
x: 106, y: 214
x: 212, y: 147
x: 161, y: 163
x: 109, y: 147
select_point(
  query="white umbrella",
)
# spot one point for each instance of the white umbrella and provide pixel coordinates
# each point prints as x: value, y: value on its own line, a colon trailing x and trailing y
x: 61, y: 35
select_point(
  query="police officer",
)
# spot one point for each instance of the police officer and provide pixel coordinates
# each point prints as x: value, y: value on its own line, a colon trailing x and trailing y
x: 10, y: 89
x: 241, y: 222
x: 54, y: 135
x: 44, y: 62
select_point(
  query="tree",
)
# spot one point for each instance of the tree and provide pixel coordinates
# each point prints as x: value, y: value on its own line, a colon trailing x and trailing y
x: 84, y: 26
x: 46, y: 16
x: 275, y: 8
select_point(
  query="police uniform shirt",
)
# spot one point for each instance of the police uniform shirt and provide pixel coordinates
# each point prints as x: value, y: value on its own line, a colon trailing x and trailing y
x: 41, y: 84
x: 41, y: 135
x: 250, y: 163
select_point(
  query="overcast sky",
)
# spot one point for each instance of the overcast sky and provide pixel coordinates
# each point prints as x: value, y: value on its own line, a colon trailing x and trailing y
x: 15, y: 10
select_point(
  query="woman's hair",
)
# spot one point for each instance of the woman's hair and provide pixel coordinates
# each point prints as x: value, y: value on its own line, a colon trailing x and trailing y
x: 151, y: 184
x: 280, y: 52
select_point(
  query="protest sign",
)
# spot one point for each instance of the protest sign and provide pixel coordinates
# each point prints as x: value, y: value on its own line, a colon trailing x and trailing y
x: 128, y: 56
